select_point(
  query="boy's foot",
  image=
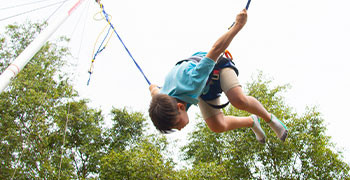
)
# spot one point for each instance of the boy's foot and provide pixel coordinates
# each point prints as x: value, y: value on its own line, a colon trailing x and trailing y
x: 278, y: 127
x: 259, y: 133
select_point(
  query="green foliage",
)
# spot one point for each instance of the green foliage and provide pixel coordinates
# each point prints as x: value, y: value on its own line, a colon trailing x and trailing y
x: 127, y: 128
x: 27, y: 108
x: 132, y: 155
x: 84, y: 143
x: 143, y: 161
x: 204, y: 170
x: 47, y: 133
x: 15, y: 39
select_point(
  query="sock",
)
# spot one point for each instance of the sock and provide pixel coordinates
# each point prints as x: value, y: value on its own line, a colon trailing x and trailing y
x: 259, y: 133
x: 278, y: 127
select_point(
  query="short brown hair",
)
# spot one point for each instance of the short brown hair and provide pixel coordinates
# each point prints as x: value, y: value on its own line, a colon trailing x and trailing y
x: 163, y: 112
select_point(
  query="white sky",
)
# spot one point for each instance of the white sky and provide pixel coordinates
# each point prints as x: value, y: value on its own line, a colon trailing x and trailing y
x: 304, y: 43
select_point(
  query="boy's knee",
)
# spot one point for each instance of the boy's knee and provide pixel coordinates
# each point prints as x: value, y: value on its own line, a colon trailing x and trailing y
x: 240, y: 102
x: 216, y: 125
x: 218, y: 129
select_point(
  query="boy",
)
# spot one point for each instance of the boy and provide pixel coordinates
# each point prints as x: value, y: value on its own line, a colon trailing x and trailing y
x: 186, y: 84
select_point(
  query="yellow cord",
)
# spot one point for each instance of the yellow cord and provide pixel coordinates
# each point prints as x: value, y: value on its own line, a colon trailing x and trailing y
x: 98, y: 37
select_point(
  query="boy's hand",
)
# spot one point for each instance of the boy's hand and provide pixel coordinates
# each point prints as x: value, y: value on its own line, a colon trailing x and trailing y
x: 152, y: 86
x: 241, y: 18
x: 154, y: 89
x: 224, y: 41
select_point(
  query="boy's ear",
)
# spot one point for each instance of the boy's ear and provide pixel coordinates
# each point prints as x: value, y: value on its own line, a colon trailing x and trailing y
x: 181, y: 106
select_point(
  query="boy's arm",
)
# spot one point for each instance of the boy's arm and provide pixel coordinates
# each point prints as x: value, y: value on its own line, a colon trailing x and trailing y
x: 154, y: 89
x: 224, y: 41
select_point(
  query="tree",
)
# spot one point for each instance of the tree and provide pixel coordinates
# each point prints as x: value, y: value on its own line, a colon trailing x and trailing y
x: 85, y: 143
x: 27, y: 106
x: 132, y: 154
x: 48, y: 132
x: 306, y: 154
x: 37, y: 108
x: 127, y: 128
x: 143, y: 161
x: 204, y: 170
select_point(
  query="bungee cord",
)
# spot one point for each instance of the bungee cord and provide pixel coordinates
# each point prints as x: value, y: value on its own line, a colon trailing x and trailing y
x: 127, y: 50
x: 107, y: 17
x: 101, y: 47
x: 54, y: 12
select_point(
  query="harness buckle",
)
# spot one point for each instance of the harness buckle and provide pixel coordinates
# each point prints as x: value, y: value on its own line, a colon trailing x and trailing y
x: 228, y: 54
x: 216, y: 75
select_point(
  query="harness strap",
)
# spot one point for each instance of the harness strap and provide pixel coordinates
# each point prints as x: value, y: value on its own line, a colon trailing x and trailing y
x: 218, y: 106
x: 214, y: 77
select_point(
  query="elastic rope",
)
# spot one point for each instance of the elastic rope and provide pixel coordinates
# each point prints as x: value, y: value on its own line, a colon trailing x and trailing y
x: 82, y: 34
x: 98, y: 37
x: 55, y: 11
x: 99, y: 50
x: 94, y: 54
x: 64, y: 140
x: 127, y: 50
x: 247, y: 6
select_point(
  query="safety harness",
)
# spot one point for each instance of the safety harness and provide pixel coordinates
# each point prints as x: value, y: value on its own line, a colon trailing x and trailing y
x: 224, y: 61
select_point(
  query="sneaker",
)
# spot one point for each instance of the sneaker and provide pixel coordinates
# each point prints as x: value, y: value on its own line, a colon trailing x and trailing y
x: 278, y: 127
x: 259, y: 133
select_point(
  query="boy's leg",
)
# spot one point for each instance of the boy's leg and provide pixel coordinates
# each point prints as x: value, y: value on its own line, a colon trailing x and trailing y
x: 216, y: 120
x: 218, y: 123
x: 247, y: 103
x: 233, y: 90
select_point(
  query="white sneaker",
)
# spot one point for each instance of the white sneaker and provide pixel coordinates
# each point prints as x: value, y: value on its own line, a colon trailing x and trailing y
x: 278, y: 127
x: 259, y: 133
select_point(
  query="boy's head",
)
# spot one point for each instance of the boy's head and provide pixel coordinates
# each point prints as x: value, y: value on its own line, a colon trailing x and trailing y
x: 167, y: 113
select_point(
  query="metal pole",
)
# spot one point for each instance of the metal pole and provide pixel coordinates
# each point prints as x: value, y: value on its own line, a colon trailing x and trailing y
x: 18, y: 64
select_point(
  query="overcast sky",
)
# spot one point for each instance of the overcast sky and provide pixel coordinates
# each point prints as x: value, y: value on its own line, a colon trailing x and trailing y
x: 303, y: 43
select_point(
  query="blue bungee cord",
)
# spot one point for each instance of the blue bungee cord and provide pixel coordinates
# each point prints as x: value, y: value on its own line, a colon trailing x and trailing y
x: 127, y: 50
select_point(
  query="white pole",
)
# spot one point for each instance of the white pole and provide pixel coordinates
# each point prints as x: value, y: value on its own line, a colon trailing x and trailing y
x: 19, y: 63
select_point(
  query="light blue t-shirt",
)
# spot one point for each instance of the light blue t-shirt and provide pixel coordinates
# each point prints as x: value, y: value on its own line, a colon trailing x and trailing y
x: 186, y: 81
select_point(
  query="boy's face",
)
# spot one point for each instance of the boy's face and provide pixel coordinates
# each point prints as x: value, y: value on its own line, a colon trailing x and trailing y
x: 182, y: 119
